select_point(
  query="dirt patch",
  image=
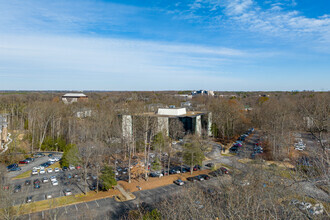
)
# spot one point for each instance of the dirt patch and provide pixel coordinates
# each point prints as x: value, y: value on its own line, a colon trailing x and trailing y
x: 156, y: 182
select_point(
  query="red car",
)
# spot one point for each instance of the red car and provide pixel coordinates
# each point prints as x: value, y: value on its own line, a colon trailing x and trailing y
x: 224, y: 170
x: 78, y: 167
x: 23, y: 162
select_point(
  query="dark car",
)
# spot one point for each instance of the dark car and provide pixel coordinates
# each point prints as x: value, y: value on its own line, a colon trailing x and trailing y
x: 165, y: 172
x: 179, y: 182
x: 192, y: 179
x: 12, y: 166
x: 29, y: 199
x: 216, y: 173
x: 69, y: 176
x: 50, y: 155
x: 36, y: 186
x: 65, y: 168
x: 27, y: 182
x: 17, y: 188
x: 197, y: 167
x: 36, y: 181
x: 206, y: 177
x: 23, y: 162
x: 15, y: 169
x: 173, y: 171
x: 224, y: 170
x: 199, y: 178
x: 209, y: 164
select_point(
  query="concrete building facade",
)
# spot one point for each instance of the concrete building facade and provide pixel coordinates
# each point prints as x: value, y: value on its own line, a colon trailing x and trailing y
x: 193, y: 122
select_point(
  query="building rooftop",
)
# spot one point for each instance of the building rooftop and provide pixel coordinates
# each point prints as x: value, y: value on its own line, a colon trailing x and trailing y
x: 69, y: 95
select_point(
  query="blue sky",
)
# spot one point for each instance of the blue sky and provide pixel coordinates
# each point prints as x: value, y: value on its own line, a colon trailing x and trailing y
x: 165, y: 45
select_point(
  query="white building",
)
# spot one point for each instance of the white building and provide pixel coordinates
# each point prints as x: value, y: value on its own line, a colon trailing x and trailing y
x: 70, y: 98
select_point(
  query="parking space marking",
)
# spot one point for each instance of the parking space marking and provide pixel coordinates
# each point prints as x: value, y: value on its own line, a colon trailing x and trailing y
x: 97, y: 203
x: 87, y: 205
x: 148, y: 192
x: 76, y: 207
x: 66, y: 211
x: 42, y: 215
x: 164, y: 189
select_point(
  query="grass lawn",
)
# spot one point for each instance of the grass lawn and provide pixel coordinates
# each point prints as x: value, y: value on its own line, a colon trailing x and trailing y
x: 23, y: 175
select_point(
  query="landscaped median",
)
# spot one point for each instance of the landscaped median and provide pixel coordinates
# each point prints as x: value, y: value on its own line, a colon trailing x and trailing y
x: 156, y: 182
x: 64, y: 201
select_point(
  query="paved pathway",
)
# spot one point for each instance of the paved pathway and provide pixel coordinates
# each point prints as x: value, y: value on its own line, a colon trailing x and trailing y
x: 6, y: 145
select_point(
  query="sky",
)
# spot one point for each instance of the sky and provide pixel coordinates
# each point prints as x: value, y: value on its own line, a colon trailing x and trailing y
x: 222, y: 45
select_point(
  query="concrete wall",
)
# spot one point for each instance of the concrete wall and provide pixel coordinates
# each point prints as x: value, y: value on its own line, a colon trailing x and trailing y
x: 209, y: 124
x: 162, y: 125
x: 198, y: 125
x: 127, y: 127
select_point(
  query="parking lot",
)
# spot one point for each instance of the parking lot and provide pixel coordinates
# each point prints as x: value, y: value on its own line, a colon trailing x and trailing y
x: 108, y: 208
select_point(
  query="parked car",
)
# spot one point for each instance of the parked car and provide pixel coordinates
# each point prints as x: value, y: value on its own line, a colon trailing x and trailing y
x: 48, y: 196
x: 38, y: 155
x: 45, y: 180
x: 23, y: 162
x: 29, y: 199
x: 179, y: 182
x: 71, y: 167
x: 36, y: 181
x: 17, y: 188
x: 199, y: 178
x: 30, y: 159
x: 36, y: 186
x: 192, y: 179
x: 78, y: 167
x: 209, y: 164
x: 12, y: 166
x: 34, y: 172
x: 67, y: 192
x: 69, y: 176
x: 197, y: 167
x: 42, y: 171
x: 205, y: 177
x: 50, y: 155
x: 65, y: 168
x: 224, y: 170
x: 49, y: 170
x: 55, y: 183
x: 52, y: 178
x: 27, y: 182
x: 56, y: 170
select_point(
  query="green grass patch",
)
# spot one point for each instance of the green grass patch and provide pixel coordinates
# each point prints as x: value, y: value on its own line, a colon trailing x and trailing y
x: 23, y: 175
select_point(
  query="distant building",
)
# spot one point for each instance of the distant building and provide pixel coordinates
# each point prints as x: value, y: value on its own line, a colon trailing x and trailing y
x: 203, y: 92
x: 70, y: 98
x: 83, y: 113
x: 186, y: 104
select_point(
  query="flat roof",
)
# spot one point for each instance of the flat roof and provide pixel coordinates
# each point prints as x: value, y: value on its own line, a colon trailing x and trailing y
x: 74, y: 95
x: 188, y: 114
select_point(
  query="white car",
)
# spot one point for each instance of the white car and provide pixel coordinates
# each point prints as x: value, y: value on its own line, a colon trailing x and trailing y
x: 49, y: 170
x: 48, y: 196
x: 67, y: 192
x: 53, y: 178
x: 57, y: 159
x: 36, y: 168
x: 42, y: 171
x: 56, y: 170
x: 34, y: 172
x: 55, y: 183
x: 71, y: 167
x: 45, y: 180
x: 51, y: 159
